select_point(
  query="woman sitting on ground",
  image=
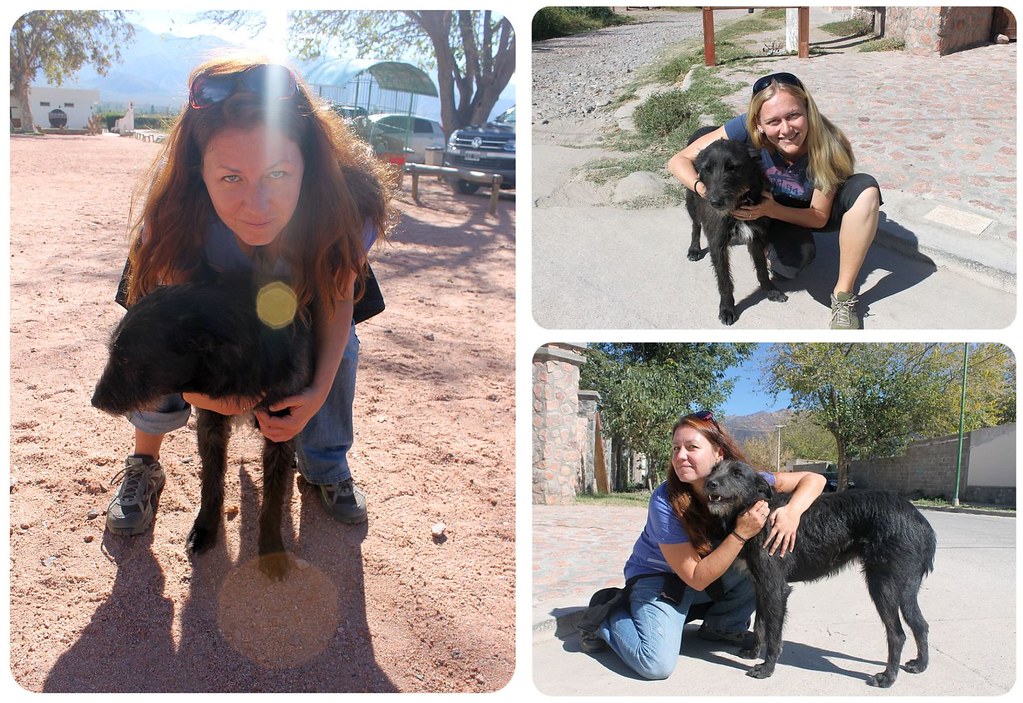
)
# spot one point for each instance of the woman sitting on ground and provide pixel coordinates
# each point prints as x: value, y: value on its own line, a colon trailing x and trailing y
x: 809, y: 162
x: 681, y: 564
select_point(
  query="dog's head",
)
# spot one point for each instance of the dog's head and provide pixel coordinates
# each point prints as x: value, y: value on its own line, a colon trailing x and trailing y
x: 150, y: 355
x: 734, y: 486
x: 730, y: 172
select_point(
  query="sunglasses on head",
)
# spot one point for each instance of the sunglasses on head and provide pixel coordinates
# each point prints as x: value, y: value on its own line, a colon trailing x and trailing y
x: 786, y: 78
x: 269, y: 80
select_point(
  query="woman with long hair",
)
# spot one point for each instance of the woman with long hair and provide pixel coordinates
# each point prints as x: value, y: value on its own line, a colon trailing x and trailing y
x: 256, y: 174
x: 810, y: 165
x: 681, y: 564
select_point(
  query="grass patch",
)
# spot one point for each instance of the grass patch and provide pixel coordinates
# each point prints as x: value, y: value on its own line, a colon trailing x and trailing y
x: 634, y: 499
x: 848, y: 28
x: 883, y: 45
x: 944, y: 504
x: 551, y: 22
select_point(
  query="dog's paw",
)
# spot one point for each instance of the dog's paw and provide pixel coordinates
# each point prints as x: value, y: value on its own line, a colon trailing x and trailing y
x: 776, y: 296
x: 696, y: 254
x: 274, y: 566
x: 726, y: 315
x: 761, y: 671
x: 915, y: 666
x: 201, y: 538
x: 882, y: 680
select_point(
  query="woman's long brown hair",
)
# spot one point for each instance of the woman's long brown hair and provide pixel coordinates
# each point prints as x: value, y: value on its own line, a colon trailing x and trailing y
x: 700, y: 525
x: 343, y: 186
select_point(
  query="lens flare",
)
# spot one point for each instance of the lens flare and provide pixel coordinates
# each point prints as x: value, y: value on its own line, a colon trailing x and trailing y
x: 276, y: 305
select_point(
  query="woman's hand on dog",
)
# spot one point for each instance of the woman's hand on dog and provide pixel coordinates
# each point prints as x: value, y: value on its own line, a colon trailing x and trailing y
x: 753, y: 520
x: 301, y: 408
x: 783, y: 531
x: 764, y: 208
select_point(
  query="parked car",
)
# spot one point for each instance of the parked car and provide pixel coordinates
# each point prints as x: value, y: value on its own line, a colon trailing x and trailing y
x: 349, y: 112
x: 489, y: 147
x: 831, y: 474
x: 406, y: 135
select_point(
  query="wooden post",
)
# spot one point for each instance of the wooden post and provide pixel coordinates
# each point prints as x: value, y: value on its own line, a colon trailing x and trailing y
x: 804, y: 32
x: 708, y: 36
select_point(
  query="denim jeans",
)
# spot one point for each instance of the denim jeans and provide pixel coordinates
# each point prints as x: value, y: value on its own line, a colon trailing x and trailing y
x: 323, y: 444
x: 648, y: 635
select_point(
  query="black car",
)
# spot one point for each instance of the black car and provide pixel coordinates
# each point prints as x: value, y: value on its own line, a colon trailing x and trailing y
x: 489, y: 147
x: 832, y: 484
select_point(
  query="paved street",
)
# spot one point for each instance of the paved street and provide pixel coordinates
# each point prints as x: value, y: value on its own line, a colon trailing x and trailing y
x: 833, y: 637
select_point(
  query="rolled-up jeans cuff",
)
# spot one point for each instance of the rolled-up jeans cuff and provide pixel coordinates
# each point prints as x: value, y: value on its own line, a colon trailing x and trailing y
x: 172, y: 414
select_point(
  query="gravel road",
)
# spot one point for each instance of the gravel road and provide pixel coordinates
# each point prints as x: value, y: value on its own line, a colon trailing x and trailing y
x: 573, y: 77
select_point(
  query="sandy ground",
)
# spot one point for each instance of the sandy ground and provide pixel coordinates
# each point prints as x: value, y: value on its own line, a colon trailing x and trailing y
x: 378, y: 607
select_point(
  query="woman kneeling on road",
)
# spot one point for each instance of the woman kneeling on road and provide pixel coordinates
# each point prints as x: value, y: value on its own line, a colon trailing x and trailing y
x: 809, y: 162
x: 681, y: 568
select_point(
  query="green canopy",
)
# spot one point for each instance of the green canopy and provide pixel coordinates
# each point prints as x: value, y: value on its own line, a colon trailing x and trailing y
x: 390, y: 75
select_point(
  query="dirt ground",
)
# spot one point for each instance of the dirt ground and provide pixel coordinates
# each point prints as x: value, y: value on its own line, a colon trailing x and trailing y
x: 382, y: 607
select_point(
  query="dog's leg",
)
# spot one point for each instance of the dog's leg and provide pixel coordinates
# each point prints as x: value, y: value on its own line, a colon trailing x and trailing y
x: 911, y: 611
x: 756, y: 252
x: 723, y: 273
x: 277, y: 462
x: 885, y: 595
x: 695, y: 251
x: 775, y: 601
x: 213, y: 431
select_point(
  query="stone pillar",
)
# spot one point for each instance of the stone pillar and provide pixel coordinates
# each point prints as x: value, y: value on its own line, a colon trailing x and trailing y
x: 588, y: 412
x: 558, y: 431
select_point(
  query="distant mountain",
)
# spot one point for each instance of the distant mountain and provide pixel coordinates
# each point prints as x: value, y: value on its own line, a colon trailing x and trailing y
x: 154, y: 70
x: 744, y: 427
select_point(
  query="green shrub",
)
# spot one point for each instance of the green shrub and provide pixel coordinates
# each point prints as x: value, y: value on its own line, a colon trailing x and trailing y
x: 551, y: 22
x: 664, y: 113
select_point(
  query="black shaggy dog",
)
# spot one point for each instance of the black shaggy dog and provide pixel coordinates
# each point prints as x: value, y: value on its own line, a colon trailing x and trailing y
x: 208, y: 338
x: 731, y: 173
x: 893, y: 542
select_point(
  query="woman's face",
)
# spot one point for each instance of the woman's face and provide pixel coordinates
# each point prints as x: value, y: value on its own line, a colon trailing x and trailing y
x: 693, y: 456
x: 254, y: 178
x: 783, y: 121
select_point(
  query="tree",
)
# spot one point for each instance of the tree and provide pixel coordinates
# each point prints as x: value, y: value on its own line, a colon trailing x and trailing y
x: 644, y: 388
x: 875, y: 398
x: 473, y: 51
x: 59, y: 43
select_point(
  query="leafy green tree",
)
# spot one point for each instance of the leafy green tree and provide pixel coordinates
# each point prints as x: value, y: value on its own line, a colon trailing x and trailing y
x: 802, y: 439
x: 472, y: 50
x: 644, y: 388
x: 875, y: 398
x: 60, y: 42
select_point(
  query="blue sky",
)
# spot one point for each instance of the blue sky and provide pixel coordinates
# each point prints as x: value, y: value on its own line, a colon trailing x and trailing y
x: 748, y: 396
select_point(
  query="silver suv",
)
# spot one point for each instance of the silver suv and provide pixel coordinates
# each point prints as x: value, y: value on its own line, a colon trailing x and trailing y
x: 489, y: 147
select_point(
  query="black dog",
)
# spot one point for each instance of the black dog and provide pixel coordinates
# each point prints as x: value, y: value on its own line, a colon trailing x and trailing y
x: 731, y: 173
x: 893, y: 541
x: 208, y: 338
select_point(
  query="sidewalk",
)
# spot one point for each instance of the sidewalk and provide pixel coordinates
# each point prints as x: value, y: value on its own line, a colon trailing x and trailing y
x: 833, y: 637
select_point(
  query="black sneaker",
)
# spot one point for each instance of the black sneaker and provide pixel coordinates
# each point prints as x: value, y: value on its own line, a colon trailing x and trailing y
x: 131, y: 511
x: 344, y: 501
x: 591, y: 643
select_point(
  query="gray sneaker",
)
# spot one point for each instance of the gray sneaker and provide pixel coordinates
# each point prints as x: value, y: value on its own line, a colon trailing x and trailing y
x: 344, y: 501
x: 843, y: 312
x: 131, y: 511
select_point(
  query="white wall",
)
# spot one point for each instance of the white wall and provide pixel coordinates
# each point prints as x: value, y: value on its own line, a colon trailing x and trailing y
x: 78, y: 104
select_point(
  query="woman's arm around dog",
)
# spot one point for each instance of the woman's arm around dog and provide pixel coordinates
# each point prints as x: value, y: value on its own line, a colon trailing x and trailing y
x: 681, y: 164
x: 697, y: 571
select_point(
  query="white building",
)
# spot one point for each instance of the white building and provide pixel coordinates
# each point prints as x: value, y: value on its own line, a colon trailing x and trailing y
x: 77, y: 106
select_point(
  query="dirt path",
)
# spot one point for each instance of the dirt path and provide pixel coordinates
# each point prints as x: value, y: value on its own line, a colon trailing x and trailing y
x: 378, y: 607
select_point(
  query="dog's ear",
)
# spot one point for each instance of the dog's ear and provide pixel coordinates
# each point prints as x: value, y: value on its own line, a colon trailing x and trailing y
x: 763, y: 488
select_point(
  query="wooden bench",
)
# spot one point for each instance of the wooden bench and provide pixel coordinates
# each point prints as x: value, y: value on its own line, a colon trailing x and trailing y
x: 492, y: 179
x: 709, y: 57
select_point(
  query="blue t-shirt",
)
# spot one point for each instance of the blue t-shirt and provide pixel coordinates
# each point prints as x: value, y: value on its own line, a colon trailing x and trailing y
x: 662, y: 527
x: 790, y: 184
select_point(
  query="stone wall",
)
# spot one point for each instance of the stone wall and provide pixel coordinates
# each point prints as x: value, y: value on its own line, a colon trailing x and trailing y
x: 928, y: 469
x: 559, y: 431
x: 938, y: 31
